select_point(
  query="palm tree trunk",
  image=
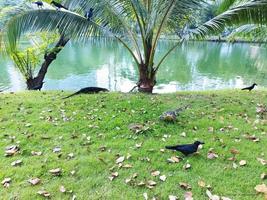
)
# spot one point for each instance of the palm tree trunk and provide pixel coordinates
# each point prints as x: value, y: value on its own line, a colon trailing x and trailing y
x: 36, y: 83
x: 147, y: 80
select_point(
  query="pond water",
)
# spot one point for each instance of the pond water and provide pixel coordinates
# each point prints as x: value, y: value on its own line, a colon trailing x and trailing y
x: 192, y: 66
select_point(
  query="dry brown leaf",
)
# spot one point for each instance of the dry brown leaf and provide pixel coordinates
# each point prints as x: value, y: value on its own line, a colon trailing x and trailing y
x: 173, y: 159
x: 141, y: 184
x: 57, y: 150
x: 185, y: 186
x: 36, y: 153
x: 55, y: 172
x: 138, y: 145
x: 172, y: 197
x: 234, y: 151
x: 235, y: 165
x: 155, y: 173
x: 188, y: 196
x: 151, y: 183
x: 120, y: 160
x: 113, y: 176
x: 201, y: 183
x: 163, y: 178
x: 16, y: 163
x: 127, y: 166
x: 243, y: 163
x: 262, y: 161
x: 145, y: 196
x: 187, y: 166
x: 43, y: 193
x: 212, y: 197
x: 212, y: 155
x: 34, y: 181
x: 62, y: 189
x: 261, y: 188
x: 11, y: 150
x: 70, y: 156
x: 6, y: 182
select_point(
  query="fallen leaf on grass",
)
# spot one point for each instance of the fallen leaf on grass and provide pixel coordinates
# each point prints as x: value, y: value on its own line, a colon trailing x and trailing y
x: 188, y: 196
x: 43, y: 193
x: 62, y: 189
x: 172, y: 197
x: 138, y: 128
x: 70, y: 156
x: 151, y: 184
x: 11, y: 150
x: 261, y: 188
x: 211, y: 196
x: 235, y: 165
x: 113, y: 176
x: 187, y: 166
x: 201, y: 184
x: 262, y: 161
x: 251, y: 137
x: 57, y: 150
x: 234, y: 151
x: 173, y: 159
x: 139, y: 145
x: 242, y: 163
x: 55, y: 172
x: 212, y: 155
x: 16, y: 163
x: 163, y: 178
x: 140, y: 184
x: 185, y: 186
x: 155, y: 173
x: 145, y: 196
x: 36, y: 153
x: 120, y: 160
x: 34, y: 181
x: 6, y: 182
x: 127, y: 166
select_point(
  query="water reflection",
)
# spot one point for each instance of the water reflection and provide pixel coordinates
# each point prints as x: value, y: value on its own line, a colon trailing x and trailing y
x: 192, y: 66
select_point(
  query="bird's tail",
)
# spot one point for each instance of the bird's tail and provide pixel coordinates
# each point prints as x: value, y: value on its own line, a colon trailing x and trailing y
x: 65, y: 7
x: 170, y: 147
x: 244, y: 89
x: 70, y: 95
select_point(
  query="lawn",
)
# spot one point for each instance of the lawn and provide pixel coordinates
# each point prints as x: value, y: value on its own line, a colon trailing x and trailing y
x: 88, y: 138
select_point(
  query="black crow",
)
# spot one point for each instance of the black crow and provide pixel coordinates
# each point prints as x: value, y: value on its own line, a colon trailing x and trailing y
x: 58, y: 5
x: 39, y: 4
x: 88, y: 90
x: 89, y: 14
x: 186, y: 149
x: 250, y: 87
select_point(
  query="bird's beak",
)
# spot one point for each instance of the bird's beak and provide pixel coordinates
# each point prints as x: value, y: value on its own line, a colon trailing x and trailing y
x: 202, y: 143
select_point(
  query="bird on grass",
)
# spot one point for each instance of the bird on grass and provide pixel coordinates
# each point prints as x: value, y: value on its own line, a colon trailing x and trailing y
x: 39, y: 4
x: 250, y: 87
x: 186, y: 149
x: 58, y: 5
x: 88, y: 90
x: 89, y: 14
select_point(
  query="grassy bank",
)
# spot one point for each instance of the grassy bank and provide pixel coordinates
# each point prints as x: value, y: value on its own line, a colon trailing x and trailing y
x: 92, y: 132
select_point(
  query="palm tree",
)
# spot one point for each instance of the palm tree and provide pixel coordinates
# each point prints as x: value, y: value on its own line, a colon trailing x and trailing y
x: 137, y: 24
x: 27, y: 60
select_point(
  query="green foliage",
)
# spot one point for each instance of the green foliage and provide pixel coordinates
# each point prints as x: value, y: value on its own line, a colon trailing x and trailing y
x: 28, y: 57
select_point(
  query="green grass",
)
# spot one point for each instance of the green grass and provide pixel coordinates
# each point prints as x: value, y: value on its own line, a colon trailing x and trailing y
x: 105, y: 118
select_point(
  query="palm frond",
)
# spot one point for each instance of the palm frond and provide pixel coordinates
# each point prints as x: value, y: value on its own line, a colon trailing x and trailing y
x: 252, y: 12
